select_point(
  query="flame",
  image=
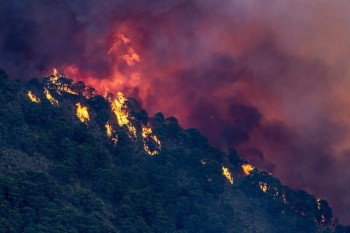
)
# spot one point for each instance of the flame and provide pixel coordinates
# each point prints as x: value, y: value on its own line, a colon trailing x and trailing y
x: 148, y: 136
x: 82, y: 113
x: 109, y: 132
x: 121, y: 112
x: 121, y: 51
x: 54, y: 76
x: 55, y: 73
x: 108, y: 129
x: 227, y: 174
x: 52, y: 100
x: 263, y: 186
x: 61, y: 87
x: 33, y: 98
x: 247, y: 168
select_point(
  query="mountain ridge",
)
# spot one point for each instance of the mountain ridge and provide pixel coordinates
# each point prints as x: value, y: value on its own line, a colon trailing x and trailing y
x: 101, y: 164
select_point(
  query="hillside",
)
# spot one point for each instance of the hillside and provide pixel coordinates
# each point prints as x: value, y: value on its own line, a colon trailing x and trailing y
x: 74, y: 161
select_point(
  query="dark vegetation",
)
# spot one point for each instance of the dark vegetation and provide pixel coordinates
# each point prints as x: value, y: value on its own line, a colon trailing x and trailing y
x: 60, y: 175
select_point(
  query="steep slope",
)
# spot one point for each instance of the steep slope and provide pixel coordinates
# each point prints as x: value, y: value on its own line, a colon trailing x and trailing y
x: 74, y: 161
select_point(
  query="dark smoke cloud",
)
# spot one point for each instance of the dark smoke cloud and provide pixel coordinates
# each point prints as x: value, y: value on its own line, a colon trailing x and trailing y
x: 270, y: 78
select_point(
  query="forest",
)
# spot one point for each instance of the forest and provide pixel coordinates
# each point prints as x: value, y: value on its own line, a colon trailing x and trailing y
x: 78, y: 162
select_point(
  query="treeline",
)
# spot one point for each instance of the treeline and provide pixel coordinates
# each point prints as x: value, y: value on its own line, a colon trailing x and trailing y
x: 60, y: 175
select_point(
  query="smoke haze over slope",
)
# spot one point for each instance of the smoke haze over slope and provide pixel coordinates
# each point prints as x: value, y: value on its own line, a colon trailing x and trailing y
x: 269, y: 78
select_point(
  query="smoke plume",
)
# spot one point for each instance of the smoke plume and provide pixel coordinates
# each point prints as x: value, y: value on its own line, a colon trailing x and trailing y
x: 269, y: 78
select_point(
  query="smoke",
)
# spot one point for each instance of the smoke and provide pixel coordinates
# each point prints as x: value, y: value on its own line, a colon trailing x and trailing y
x: 269, y: 78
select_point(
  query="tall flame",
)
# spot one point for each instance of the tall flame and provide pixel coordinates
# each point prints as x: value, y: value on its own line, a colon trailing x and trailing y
x: 52, y: 100
x: 121, y: 112
x: 227, y: 174
x: 149, y: 137
x: 33, y: 98
x: 82, y: 113
x: 247, y: 168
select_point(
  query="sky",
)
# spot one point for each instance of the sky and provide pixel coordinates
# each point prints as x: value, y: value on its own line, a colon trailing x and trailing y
x: 269, y: 78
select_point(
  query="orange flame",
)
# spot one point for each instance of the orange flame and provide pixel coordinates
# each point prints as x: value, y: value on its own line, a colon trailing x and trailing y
x: 247, y: 168
x: 109, y: 132
x: 147, y: 135
x: 82, y: 113
x: 119, y: 52
x: 227, y: 174
x: 120, y: 110
x: 55, y: 73
x: 52, y: 100
x: 33, y: 98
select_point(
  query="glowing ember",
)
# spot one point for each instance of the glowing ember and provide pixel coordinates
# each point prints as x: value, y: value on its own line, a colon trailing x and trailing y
x: 52, y: 100
x: 121, y: 112
x: 33, y: 98
x: 82, y: 113
x: 227, y: 174
x: 149, y: 137
x: 247, y: 168
x: 263, y: 186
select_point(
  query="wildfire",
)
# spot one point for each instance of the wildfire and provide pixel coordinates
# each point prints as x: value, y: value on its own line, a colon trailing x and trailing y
x: 55, y: 73
x: 82, y: 113
x: 109, y: 132
x: 263, y: 186
x: 247, y: 168
x: 33, y: 98
x: 227, y: 174
x: 62, y: 83
x: 52, y: 100
x: 128, y: 76
x: 121, y: 112
x: 108, y: 129
x: 149, y: 137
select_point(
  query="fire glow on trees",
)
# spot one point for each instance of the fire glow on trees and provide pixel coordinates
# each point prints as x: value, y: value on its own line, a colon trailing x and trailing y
x: 32, y: 97
x: 227, y: 174
x: 82, y: 113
